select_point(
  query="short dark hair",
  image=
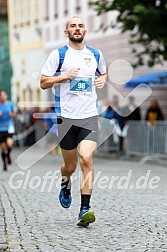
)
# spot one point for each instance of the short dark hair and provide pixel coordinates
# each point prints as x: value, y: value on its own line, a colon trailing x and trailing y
x: 70, y: 19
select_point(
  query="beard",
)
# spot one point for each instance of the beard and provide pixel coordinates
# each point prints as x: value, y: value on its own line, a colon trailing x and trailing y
x: 76, y: 40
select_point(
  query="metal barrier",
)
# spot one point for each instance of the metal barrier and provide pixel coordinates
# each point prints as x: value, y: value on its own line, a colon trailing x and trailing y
x: 37, y: 128
x: 108, y: 139
x: 147, y: 140
x: 142, y: 139
x: 138, y: 138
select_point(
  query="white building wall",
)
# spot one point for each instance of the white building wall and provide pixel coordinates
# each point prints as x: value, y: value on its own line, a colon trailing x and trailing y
x: 116, y: 47
x: 27, y: 69
x: 55, y: 39
x: 26, y: 48
x: 38, y: 39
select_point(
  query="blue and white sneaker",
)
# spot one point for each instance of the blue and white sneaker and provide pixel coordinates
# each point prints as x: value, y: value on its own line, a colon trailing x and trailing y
x: 85, y: 217
x: 65, y: 198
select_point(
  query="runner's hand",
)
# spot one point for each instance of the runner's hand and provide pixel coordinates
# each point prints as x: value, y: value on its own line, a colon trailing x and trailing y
x: 11, y: 114
x: 99, y: 82
x: 72, y: 73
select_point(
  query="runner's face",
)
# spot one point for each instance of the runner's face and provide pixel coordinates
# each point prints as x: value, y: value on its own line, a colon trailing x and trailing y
x: 3, y: 96
x: 76, y: 30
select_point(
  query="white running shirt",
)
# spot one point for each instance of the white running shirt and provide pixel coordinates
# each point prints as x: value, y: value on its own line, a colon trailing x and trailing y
x: 76, y: 105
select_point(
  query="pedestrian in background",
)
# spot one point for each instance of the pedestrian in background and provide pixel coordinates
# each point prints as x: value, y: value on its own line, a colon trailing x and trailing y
x: 154, y: 113
x: 19, y: 121
x: 131, y: 110
x: 111, y: 113
x: 6, y: 128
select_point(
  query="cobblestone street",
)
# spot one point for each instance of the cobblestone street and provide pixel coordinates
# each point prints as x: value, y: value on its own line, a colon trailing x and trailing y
x: 128, y: 217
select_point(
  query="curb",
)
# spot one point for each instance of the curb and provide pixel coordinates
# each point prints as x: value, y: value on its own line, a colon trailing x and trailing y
x: 3, y: 244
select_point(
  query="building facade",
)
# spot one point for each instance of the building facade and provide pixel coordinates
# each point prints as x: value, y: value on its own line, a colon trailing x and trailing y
x: 37, y: 27
x: 26, y: 48
x: 5, y: 66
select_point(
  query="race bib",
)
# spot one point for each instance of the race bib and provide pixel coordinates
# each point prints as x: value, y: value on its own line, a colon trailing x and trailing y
x: 81, y: 85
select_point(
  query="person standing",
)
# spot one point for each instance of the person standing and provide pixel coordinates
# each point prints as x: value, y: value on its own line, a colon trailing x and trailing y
x: 154, y: 113
x: 131, y: 110
x: 76, y: 70
x: 6, y: 128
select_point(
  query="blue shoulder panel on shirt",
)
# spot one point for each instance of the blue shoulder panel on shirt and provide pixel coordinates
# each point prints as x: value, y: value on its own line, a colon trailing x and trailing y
x: 97, y: 57
x: 62, y: 52
x: 95, y: 52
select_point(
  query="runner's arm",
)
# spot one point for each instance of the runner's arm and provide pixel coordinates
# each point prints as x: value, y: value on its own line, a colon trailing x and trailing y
x: 50, y: 81
x: 12, y: 114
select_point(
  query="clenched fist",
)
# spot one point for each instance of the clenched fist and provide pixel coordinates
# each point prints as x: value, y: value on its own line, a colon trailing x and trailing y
x: 72, y: 73
x: 99, y: 81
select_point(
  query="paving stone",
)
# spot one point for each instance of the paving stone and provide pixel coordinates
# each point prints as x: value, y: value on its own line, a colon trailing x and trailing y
x: 127, y: 220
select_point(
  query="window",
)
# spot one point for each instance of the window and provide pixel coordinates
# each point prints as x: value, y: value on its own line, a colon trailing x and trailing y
x: 46, y: 10
x: 23, y: 66
x: 36, y: 11
x: 15, y: 14
x: 28, y: 10
x: 47, y: 34
x: 21, y: 12
x: 36, y: 7
x: 3, y: 8
x: 91, y: 23
x: 30, y: 93
x: 57, y: 32
x: 56, y: 9
x: 104, y: 20
x: 78, y: 8
x: 28, y: 14
x: 38, y: 94
x: 24, y: 94
x: 78, y: 5
x: 65, y: 7
x: 18, y: 87
x: 90, y: 4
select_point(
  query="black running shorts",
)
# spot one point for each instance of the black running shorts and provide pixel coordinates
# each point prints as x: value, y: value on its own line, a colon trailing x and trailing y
x: 4, y: 135
x: 72, y: 131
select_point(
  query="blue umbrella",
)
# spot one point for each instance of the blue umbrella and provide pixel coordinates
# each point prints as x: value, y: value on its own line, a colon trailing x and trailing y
x: 157, y: 79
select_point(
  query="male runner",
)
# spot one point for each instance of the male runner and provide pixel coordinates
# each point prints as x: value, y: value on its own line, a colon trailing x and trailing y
x: 75, y: 71
x: 6, y: 128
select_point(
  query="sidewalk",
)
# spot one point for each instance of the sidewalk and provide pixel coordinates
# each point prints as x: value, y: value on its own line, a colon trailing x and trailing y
x: 3, y: 244
x: 128, y: 218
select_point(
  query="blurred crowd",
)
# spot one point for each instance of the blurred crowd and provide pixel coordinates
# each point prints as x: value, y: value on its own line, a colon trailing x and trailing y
x: 121, y: 116
x: 26, y: 119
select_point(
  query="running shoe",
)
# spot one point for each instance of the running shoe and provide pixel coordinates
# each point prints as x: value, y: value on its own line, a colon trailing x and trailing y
x: 65, y: 198
x: 85, y: 217
x: 5, y: 167
x: 9, y: 160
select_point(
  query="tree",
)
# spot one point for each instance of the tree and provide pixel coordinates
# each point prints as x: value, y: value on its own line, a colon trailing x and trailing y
x: 146, y: 20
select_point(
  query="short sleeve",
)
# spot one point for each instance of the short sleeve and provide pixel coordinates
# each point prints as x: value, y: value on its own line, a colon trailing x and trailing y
x: 102, y: 64
x: 51, y: 64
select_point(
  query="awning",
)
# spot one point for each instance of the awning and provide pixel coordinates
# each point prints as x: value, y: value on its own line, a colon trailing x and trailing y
x: 155, y: 80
